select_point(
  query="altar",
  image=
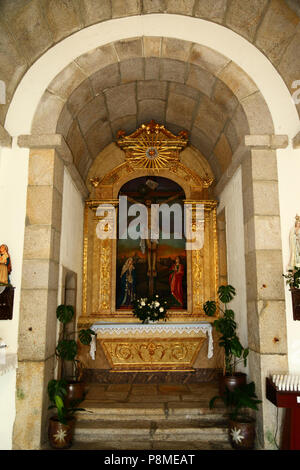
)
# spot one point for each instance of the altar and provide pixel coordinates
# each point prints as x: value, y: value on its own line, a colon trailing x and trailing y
x: 175, y: 260
x: 151, y: 347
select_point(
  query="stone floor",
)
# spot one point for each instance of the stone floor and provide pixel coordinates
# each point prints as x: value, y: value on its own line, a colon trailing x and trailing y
x: 151, y: 417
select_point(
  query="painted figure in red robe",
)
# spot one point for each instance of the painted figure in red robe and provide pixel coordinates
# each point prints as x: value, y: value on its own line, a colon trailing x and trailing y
x: 175, y: 280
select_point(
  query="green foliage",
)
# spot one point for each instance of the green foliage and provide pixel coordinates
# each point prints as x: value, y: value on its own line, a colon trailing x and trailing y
x: 67, y: 348
x: 293, y: 277
x: 57, y: 391
x: 210, y: 308
x: 226, y: 326
x: 65, y: 313
x: 240, y: 398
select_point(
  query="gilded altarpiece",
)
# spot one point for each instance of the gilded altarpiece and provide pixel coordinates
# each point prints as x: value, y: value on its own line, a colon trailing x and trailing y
x: 151, y: 151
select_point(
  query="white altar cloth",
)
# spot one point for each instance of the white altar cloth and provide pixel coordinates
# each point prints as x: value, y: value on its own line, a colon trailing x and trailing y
x: 154, y: 328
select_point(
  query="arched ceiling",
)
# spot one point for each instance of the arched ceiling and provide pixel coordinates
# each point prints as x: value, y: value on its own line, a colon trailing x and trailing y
x: 177, y: 83
x: 28, y: 28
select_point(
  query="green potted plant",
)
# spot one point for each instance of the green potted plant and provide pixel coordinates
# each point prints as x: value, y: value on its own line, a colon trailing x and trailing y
x: 67, y: 349
x: 241, y: 426
x: 293, y: 281
x: 61, y: 425
x: 234, y: 352
x: 150, y: 309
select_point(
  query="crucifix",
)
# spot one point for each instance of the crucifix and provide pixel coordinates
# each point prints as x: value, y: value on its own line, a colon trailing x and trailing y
x: 151, y: 243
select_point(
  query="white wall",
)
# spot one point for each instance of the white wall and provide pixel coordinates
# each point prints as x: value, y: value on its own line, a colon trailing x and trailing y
x: 288, y: 162
x: 231, y: 199
x: 71, y: 243
x: 13, y: 189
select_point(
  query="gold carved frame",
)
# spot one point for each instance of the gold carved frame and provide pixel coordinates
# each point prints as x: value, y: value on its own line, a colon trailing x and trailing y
x: 99, y: 256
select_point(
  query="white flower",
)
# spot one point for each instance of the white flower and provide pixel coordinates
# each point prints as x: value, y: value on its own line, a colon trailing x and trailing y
x: 156, y: 304
x: 157, y: 295
x: 161, y: 309
x: 143, y: 303
x: 236, y: 435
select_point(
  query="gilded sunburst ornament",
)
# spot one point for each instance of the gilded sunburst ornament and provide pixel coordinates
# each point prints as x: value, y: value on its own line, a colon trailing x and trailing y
x: 152, y: 146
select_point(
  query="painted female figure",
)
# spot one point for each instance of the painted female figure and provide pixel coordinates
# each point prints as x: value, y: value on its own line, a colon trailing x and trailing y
x: 175, y: 280
x: 128, y: 283
x: 5, y: 265
x: 295, y: 244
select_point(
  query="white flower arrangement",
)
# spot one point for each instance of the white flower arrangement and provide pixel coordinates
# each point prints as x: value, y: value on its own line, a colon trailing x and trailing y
x: 150, y: 309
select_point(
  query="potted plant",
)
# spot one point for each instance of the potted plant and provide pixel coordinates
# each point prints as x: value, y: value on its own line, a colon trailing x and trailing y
x: 234, y: 352
x: 67, y: 350
x: 241, y: 426
x: 150, y: 309
x: 61, y: 425
x: 293, y: 280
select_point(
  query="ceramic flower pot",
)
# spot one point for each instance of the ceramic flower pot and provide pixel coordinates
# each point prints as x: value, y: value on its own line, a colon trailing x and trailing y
x: 242, y: 433
x: 60, y: 435
x: 296, y: 303
x: 75, y: 392
x: 231, y: 381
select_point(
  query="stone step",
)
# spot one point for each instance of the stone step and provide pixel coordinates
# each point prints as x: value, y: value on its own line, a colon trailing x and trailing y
x: 148, y: 445
x: 168, y: 430
x: 149, y: 412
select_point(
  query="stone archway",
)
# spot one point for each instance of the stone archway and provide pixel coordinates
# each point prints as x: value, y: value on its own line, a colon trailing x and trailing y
x: 255, y: 181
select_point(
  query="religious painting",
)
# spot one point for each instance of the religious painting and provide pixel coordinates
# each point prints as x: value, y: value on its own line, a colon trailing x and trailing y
x: 153, y: 264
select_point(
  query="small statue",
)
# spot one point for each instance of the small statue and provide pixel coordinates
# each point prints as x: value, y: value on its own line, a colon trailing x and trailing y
x: 5, y: 265
x: 295, y: 244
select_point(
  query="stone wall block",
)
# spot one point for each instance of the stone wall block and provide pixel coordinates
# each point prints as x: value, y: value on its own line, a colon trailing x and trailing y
x: 208, y: 59
x: 175, y: 49
x: 172, y: 70
x: 182, y: 7
x: 29, y: 396
x: 265, y: 198
x: 213, y: 10
x: 121, y: 101
x: 129, y: 48
x: 38, y: 240
x: 270, y: 283
x: 276, y: 30
x: 273, y: 339
x: 67, y: 81
x: 237, y: 80
x: 94, y: 11
x: 107, y: 77
x: 152, y: 46
x: 154, y: 6
x: 47, y: 114
x: 180, y: 110
x: 201, y: 80
x: 91, y: 61
x: 258, y: 114
x: 245, y: 24
x: 150, y: 109
x: 92, y: 112
x: 128, y: 8
x: 39, y: 274
x: 132, y: 70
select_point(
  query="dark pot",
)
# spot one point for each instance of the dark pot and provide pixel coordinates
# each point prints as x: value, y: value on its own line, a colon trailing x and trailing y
x: 296, y: 303
x: 61, y: 435
x: 242, y: 433
x: 75, y: 392
x: 232, y: 381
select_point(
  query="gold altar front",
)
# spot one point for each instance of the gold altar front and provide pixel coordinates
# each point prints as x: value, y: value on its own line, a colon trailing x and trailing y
x: 158, y: 352
x: 99, y: 259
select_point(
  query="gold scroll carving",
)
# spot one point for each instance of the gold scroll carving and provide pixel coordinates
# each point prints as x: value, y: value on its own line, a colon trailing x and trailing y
x: 151, y: 354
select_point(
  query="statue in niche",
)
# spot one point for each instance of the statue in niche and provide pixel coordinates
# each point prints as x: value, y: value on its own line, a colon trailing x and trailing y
x: 5, y: 265
x: 175, y: 279
x: 128, y: 283
x: 295, y: 244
